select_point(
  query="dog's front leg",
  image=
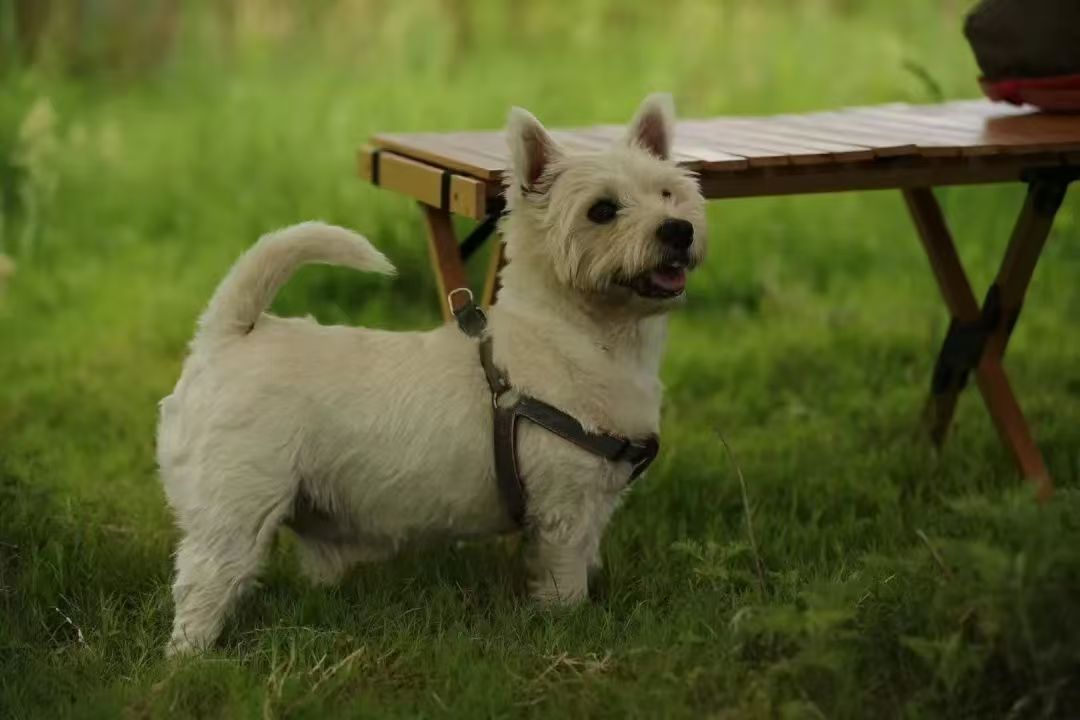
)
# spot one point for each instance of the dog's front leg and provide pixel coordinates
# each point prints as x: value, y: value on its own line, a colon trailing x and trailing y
x: 557, y: 570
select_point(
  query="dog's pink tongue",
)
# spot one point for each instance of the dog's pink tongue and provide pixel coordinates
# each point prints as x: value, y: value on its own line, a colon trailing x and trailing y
x: 670, y: 280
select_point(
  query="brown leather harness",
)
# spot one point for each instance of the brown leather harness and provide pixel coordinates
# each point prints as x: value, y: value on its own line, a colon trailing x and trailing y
x: 506, y: 411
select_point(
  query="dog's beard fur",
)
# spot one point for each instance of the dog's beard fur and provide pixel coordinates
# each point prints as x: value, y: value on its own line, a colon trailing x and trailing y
x: 362, y: 440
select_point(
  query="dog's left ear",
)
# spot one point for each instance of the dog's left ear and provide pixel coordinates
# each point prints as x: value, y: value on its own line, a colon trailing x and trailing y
x: 653, y: 127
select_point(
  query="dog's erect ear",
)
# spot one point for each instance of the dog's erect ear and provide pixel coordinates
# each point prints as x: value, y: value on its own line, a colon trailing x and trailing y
x: 532, y: 149
x: 653, y: 127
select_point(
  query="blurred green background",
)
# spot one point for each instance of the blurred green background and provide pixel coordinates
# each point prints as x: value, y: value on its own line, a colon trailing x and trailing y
x: 145, y: 143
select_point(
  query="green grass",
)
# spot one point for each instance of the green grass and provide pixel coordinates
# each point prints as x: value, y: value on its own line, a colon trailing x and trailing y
x: 898, y: 583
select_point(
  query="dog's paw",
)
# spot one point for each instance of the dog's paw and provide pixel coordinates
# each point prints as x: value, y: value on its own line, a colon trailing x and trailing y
x: 550, y: 597
x: 181, y: 648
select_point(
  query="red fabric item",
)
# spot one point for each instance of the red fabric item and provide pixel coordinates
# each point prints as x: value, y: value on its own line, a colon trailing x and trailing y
x: 1060, y: 92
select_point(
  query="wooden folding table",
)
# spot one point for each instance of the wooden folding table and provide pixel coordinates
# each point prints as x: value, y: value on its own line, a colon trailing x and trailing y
x: 906, y: 147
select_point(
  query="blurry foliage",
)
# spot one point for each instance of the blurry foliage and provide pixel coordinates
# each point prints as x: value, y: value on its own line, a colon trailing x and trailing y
x: 125, y: 37
x: 86, y: 37
x: 29, y: 147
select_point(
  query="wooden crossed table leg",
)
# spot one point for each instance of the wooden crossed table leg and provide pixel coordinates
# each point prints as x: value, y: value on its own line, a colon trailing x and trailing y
x: 448, y: 263
x: 977, y: 337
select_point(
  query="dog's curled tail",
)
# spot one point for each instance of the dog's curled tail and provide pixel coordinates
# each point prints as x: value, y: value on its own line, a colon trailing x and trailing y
x: 255, y: 279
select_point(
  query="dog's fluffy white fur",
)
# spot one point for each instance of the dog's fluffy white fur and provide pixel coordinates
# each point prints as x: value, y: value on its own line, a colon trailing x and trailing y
x: 362, y: 440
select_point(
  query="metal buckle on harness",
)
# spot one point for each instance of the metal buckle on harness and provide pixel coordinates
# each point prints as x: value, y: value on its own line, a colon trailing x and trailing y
x: 470, y: 318
x: 450, y: 298
x: 641, y: 464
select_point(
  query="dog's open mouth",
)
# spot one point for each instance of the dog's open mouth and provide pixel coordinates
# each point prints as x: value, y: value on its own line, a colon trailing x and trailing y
x: 663, y: 282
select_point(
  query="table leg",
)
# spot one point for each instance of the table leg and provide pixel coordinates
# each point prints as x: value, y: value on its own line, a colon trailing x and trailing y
x: 977, y: 337
x: 1032, y: 228
x: 445, y: 257
x: 958, y: 296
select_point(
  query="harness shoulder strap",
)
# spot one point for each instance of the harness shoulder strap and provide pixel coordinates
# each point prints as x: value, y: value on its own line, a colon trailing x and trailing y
x: 505, y: 417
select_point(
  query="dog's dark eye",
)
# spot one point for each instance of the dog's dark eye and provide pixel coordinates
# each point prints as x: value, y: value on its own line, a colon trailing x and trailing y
x: 603, y: 212
x: 665, y: 193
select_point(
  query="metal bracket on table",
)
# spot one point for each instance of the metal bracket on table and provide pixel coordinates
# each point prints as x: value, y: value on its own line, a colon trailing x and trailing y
x: 965, y: 342
x: 483, y: 231
x: 1048, y: 186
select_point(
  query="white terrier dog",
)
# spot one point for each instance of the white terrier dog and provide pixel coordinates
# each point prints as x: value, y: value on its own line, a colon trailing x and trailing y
x: 361, y: 440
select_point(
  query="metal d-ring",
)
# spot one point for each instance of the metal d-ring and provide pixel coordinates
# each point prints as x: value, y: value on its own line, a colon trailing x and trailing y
x: 450, y: 297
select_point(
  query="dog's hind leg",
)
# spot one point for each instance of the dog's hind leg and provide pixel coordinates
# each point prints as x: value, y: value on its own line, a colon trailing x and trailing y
x: 325, y: 562
x: 328, y: 542
x: 218, y: 559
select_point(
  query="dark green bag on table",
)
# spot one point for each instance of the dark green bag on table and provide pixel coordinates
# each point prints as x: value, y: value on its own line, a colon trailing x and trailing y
x: 1028, y: 51
x: 1025, y: 38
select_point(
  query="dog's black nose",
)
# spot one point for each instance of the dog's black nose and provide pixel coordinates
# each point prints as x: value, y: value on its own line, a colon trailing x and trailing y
x: 676, y: 233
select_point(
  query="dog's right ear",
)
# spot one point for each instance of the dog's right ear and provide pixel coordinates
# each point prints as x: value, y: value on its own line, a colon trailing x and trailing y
x: 532, y: 149
x: 653, y: 126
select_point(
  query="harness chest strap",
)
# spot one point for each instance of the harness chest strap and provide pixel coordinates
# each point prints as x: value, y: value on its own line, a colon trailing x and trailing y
x: 506, y: 414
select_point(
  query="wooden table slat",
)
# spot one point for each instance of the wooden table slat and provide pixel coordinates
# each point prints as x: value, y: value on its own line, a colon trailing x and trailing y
x: 710, y: 158
x: 581, y: 141
x: 605, y: 136
x: 838, y: 144
x: 753, y: 145
x: 977, y: 108
x: 775, y: 142
x: 968, y: 137
x: 929, y: 145
x: 491, y: 144
x: 951, y: 126
x: 842, y: 150
x: 429, y: 149
x: 901, y: 172
x: 907, y: 113
x: 824, y: 125
x: 931, y: 141
x: 1031, y: 133
x: 991, y: 133
x: 757, y: 154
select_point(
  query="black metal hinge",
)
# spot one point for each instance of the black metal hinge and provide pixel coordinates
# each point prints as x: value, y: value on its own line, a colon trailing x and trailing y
x: 479, y: 235
x: 965, y: 342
